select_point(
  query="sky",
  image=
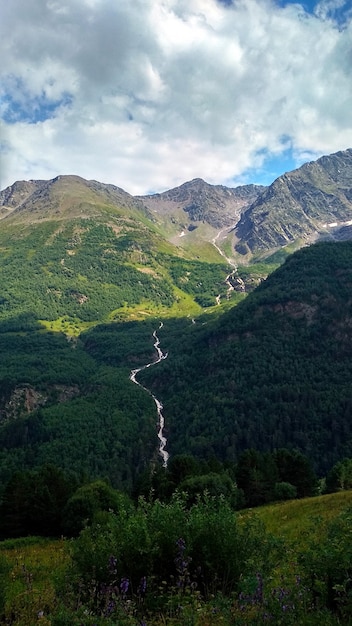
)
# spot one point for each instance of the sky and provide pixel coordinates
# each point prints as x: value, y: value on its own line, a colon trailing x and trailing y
x: 148, y: 94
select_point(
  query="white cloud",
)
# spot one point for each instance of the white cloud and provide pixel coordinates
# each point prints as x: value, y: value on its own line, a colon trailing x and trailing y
x: 150, y: 93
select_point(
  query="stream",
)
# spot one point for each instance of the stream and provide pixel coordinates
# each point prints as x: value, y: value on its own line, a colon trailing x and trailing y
x: 230, y: 262
x: 159, y: 407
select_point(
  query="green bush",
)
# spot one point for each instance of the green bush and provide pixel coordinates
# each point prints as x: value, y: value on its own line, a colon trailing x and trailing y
x: 285, y: 491
x: 205, y: 548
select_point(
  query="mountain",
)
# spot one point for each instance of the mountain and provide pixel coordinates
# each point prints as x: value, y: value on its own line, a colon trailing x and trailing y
x: 75, y: 252
x: 272, y: 372
x: 310, y: 203
x: 62, y: 198
x: 197, y: 201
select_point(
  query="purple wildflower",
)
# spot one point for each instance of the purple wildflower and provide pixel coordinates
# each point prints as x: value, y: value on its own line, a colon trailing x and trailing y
x: 259, y: 590
x: 110, y: 608
x: 142, y: 587
x: 124, y: 584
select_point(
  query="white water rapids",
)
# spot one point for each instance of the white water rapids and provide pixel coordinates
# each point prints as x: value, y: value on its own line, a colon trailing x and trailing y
x: 161, y: 422
x: 230, y: 262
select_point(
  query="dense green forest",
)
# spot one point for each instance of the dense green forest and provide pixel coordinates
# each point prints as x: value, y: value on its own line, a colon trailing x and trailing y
x: 272, y: 372
x: 61, y: 405
x: 86, y: 271
x: 257, y: 406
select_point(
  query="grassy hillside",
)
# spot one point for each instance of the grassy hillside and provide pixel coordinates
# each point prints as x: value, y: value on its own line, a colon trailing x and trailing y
x: 295, y: 583
x: 298, y: 521
x: 74, y: 253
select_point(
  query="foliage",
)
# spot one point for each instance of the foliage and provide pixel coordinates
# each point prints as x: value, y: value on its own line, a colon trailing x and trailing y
x: 285, y: 491
x: 327, y: 565
x: 204, y: 548
x: 33, y: 502
x: 273, y: 372
x: 84, y: 505
x: 340, y: 476
x: 172, y: 565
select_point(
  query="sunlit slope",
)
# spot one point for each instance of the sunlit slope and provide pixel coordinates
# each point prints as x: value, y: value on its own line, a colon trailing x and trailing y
x: 75, y: 252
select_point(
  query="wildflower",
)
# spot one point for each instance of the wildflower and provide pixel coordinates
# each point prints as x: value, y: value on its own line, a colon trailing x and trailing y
x: 181, y: 544
x: 180, y: 561
x: 124, y: 584
x: 259, y: 590
x: 142, y: 586
x: 110, y: 608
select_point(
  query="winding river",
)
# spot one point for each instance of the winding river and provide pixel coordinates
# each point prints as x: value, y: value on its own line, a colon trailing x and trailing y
x: 159, y: 407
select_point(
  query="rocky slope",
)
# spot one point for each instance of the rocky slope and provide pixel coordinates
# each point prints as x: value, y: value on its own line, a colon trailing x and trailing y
x: 63, y: 197
x: 197, y: 201
x: 312, y: 202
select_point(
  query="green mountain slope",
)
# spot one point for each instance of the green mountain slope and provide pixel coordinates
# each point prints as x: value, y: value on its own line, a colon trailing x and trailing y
x: 61, y: 403
x: 273, y: 372
x: 75, y: 252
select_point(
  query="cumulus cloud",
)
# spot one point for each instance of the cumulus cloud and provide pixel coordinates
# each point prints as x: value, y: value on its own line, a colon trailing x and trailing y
x: 150, y: 93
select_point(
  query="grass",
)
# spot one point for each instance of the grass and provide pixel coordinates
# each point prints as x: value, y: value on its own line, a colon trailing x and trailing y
x: 296, y: 519
x: 72, y: 327
x: 184, y: 306
x: 35, y: 564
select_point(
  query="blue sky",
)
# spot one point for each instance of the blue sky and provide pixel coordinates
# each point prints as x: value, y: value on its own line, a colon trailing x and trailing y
x: 151, y: 93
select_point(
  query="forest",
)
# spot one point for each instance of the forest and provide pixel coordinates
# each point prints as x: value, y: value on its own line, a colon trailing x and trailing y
x: 272, y: 372
x: 257, y: 408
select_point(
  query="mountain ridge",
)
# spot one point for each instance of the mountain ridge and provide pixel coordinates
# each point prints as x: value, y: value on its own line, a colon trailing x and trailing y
x: 309, y: 203
x: 300, y: 204
x: 201, y: 201
x: 52, y: 196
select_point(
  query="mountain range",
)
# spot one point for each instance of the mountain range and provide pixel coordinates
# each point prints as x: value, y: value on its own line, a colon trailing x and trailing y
x: 311, y: 203
x: 87, y: 271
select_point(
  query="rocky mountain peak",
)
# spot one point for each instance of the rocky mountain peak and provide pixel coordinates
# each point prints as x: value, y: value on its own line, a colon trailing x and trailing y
x: 309, y: 203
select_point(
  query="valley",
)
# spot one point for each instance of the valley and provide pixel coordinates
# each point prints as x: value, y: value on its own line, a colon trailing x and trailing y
x: 161, y: 421
x: 173, y: 368
x: 86, y: 268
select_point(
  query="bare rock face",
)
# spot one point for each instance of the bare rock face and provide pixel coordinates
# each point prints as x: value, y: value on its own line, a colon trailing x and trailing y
x: 24, y: 399
x: 312, y: 202
x: 15, y: 195
x: 215, y: 204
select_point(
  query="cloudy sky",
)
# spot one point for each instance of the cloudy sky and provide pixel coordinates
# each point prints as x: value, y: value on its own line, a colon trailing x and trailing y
x: 147, y: 94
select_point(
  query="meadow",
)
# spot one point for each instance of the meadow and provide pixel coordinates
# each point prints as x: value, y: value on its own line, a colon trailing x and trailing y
x: 155, y: 564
